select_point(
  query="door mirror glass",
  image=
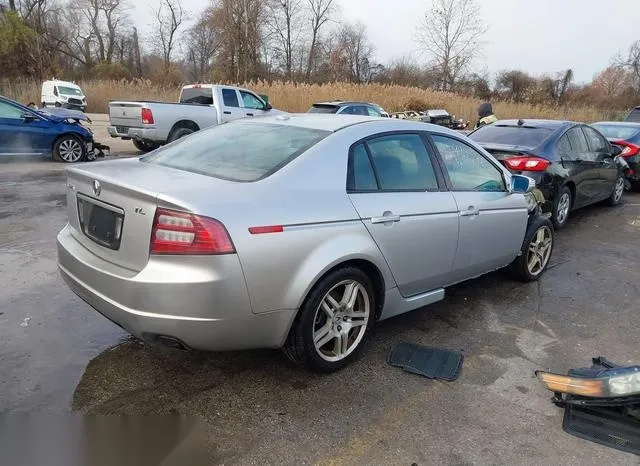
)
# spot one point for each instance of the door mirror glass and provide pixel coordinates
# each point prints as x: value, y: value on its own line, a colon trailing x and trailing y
x: 522, y: 184
x: 268, y: 106
x: 615, y: 150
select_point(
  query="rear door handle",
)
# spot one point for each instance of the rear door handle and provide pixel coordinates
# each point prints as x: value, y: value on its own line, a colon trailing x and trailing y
x: 227, y: 113
x: 387, y: 217
x: 249, y: 114
x: 470, y: 212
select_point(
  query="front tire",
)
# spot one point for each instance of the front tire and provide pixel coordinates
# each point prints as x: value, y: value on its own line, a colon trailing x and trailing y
x: 69, y: 149
x: 618, y: 191
x: 536, y: 251
x: 562, y: 208
x: 145, y: 146
x: 333, y: 322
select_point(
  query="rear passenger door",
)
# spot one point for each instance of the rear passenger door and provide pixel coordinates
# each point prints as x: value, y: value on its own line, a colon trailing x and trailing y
x: 492, y: 221
x: 231, y: 109
x: 400, y: 196
x: 606, y: 167
x: 580, y: 163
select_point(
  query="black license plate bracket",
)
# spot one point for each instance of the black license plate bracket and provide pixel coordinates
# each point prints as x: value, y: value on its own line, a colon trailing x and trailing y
x: 101, y: 222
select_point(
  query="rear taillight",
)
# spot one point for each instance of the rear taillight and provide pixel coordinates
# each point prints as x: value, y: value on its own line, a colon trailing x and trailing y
x: 628, y: 149
x: 527, y: 163
x: 183, y: 233
x: 147, y: 116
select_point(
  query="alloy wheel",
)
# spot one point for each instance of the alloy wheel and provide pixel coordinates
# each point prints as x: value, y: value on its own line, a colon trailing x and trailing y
x: 70, y: 150
x: 341, y: 320
x: 563, y: 208
x: 539, y: 250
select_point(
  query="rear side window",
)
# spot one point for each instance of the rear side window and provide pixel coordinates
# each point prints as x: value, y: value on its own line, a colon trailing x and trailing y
x: 360, y: 176
x: 523, y: 136
x: 194, y: 95
x: 596, y: 142
x: 563, y: 145
x: 323, y: 109
x: 230, y: 98
x: 577, y: 140
x: 373, y: 112
x: 400, y: 163
x: 237, y: 151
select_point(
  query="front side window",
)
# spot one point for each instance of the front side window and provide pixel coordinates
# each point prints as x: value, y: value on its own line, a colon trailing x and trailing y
x: 230, y: 98
x: 10, y: 111
x: 373, y: 112
x: 596, y: 142
x: 69, y: 90
x: 237, y: 151
x: 251, y: 101
x: 468, y: 169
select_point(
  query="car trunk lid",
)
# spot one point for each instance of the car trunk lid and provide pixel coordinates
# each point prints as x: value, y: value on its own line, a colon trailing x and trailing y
x: 111, y: 205
x: 501, y: 152
x: 126, y: 114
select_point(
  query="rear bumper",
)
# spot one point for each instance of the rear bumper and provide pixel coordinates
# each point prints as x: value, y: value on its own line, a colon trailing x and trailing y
x: 141, y: 134
x: 204, y: 306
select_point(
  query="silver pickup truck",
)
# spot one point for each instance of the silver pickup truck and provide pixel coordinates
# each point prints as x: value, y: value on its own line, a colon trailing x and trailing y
x: 152, y: 124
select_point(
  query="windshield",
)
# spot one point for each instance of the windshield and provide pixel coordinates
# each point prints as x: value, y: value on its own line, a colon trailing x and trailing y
x: 237, y: 151
x: 69, y: 90
x: 323, y: 109
x: 618, y: 131
x: 197, y: 95
x: 522, y: 136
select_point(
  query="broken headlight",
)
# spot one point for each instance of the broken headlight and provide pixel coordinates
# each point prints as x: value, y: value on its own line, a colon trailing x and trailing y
x: 609, y: 383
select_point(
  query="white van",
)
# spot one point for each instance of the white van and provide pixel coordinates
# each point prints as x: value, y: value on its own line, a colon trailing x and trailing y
x: 63, y: 94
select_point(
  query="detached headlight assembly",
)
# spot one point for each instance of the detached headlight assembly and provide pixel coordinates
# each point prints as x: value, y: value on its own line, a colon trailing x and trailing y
x: 608, y: 384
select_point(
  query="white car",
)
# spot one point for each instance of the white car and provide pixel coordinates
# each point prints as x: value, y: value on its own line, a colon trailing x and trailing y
x: 63, y: 94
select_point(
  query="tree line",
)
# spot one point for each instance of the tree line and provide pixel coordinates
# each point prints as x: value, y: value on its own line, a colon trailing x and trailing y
x: 291, y: 40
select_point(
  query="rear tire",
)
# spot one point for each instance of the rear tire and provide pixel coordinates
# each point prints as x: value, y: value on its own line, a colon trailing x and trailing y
x: 69, y: 149
x: 562, y: 208
x: 145, y: 146
x: 618, y: 191
x: 333, y: 322
x: 179, y: 133
x: 536, y: 251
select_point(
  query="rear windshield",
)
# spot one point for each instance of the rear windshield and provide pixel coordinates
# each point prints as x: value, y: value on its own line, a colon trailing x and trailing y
x: 617, y: 131
x: 522, y: 136
x: 197, y: 95
x: 237, y: 151
x: 323, y: 109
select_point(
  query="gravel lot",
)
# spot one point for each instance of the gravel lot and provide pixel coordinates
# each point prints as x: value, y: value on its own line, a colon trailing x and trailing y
x: 58, y: 355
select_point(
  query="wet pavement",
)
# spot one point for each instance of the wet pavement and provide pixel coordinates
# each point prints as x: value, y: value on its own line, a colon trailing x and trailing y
x: 58, y: 355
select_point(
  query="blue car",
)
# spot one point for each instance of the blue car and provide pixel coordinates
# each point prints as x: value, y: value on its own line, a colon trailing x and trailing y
x: 58, y: 134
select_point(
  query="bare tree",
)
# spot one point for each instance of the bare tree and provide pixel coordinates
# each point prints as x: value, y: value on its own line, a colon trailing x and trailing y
x: 169, y: 18
x: 286, y: 23
x: 631, y: 62
x: 202, y: 40
x: 321, y: 12
x: 355, y: 53
x: 450, y: 35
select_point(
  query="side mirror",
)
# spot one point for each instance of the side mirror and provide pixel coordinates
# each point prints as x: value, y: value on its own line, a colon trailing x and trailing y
x: 268, y: 106
x: 615, y: 150
x: 521, y: 184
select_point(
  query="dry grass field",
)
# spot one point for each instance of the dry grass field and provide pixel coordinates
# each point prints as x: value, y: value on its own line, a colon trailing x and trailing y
x: 299, y: 97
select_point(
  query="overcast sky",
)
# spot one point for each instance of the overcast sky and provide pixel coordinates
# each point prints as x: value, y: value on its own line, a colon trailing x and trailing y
x: 537, y: 36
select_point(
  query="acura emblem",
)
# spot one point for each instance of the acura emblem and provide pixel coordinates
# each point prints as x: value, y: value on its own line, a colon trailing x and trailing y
x: 96, y: 187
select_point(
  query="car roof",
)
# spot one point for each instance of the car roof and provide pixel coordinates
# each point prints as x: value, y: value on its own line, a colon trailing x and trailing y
x: 338, y: 103
x: 57, y: 82
x: 618, y: 123
x: 549, y: 124
x: 332, y: 122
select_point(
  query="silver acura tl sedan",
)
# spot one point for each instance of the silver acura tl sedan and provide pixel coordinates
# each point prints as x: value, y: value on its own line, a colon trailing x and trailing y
x: 293, y: 231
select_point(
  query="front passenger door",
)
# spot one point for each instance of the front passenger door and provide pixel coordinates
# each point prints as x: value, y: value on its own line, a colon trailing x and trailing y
x: 253, y: 106
x: 492, y: 221
x: 410, y: 215
x: 605, y: 164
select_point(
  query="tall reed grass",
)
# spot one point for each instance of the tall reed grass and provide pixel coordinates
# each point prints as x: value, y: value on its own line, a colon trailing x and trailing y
x: 294, y: 97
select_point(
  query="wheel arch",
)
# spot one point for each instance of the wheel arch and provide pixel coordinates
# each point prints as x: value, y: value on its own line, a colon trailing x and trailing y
x: 81, y: 137
x: 189, y: 124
